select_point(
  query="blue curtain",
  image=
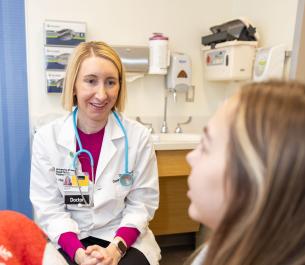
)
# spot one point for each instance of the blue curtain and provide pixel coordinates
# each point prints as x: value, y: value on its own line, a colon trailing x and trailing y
x: 14, y: 114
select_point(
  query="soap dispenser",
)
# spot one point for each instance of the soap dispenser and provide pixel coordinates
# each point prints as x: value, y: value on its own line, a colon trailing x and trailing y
x: 269, y: 63
x: 179, y: 76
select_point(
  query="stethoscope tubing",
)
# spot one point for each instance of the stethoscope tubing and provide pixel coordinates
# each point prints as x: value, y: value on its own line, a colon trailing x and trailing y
x: 126, y: 142
x: 82, y: 150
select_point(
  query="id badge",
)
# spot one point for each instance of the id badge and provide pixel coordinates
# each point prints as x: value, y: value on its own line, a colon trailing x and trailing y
x: 77, y: 188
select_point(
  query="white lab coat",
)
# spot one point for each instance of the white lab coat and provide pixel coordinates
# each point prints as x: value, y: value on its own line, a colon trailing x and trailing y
x: 114, y: 204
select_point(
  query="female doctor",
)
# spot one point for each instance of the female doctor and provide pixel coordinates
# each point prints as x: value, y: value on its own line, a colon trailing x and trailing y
x: 94, y: 182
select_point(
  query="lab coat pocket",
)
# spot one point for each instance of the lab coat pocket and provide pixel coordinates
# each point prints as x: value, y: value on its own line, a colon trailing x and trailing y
x: 123, y: 183
x: 120, y: 190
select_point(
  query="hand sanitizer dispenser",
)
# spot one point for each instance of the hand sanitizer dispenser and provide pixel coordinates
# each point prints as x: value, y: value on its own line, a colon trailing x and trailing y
x: 269, y: 63
x: 179, y: 77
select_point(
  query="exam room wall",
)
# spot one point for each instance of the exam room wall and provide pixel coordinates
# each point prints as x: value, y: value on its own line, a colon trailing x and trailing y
x: 131, y: 22
x: 274, y: 21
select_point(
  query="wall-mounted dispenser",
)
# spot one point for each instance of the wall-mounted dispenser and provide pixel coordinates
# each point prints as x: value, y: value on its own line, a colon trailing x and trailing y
x: 179, y: 77
x: 135, y: 60
x: 269, y: 63
x: 231, y: 60
x: 229, y: 52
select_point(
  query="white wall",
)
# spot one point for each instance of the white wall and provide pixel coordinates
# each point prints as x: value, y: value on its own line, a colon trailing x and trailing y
x: 275, y: 20
x: 127, y: 22
x: 132, y: 22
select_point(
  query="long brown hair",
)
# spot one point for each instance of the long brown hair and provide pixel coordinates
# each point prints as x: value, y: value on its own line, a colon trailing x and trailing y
x: 265, y: 220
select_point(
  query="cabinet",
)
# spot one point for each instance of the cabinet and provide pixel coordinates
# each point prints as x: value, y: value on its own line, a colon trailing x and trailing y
x: 172, y: 215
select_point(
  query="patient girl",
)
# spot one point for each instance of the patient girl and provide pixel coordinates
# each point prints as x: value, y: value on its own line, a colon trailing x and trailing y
x: 247, y: 182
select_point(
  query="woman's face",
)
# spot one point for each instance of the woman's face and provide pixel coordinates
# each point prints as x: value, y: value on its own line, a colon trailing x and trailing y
x: 208, y: 163
x: 96, y: 88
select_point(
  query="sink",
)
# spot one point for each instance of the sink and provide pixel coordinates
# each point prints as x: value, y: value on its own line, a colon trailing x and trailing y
x: 175, y: 141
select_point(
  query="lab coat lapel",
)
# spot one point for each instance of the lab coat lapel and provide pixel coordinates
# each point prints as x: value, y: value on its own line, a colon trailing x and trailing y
x: 66, y: 135
x: 112, y: 132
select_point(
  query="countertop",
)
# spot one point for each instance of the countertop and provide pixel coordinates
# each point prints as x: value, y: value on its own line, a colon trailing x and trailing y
x: 175, y: 141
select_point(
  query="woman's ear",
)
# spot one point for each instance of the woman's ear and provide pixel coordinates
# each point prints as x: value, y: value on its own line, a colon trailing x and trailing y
x: 74, y: 97
x: 74, y: 100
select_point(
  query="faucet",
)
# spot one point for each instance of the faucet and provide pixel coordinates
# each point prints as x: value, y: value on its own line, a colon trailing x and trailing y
x: 150, y: 128
x: 175, y: 95
x: 164, y: 128
x: 178, y: 128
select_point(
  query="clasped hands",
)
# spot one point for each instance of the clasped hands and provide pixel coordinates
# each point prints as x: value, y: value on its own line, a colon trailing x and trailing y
x: 97, y: 255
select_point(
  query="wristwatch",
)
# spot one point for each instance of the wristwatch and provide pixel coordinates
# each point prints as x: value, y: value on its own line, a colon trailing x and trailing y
x: 120, y: 246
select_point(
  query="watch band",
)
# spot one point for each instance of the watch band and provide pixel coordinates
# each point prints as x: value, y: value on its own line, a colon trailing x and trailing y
x: 120, y: 246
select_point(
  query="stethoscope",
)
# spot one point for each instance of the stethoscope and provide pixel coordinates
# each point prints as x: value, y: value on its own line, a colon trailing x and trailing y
x: 126, y: 178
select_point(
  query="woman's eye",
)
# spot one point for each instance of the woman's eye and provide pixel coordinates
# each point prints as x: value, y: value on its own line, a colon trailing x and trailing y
x: 90, y: 81
x: 110, y: 83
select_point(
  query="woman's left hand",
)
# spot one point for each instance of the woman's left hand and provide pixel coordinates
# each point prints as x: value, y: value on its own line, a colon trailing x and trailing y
x: 105, y: 256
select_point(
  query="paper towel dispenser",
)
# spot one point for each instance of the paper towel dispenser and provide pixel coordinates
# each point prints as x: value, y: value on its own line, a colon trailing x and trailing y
x: 134, y: 58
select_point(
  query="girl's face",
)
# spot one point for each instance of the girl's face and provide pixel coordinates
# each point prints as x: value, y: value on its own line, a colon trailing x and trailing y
x: 96, y: 88
x: 208, y: 163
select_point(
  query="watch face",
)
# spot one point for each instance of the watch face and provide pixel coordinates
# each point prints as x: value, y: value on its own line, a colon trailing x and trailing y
x: 122, y: 247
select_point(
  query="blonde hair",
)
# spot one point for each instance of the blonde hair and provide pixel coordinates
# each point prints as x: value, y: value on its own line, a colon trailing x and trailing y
x: 81, y: 52
x: 265, y: 220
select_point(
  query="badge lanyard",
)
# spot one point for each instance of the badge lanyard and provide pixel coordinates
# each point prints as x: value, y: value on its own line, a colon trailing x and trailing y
x: 126, y: 178
x: 75, y: 156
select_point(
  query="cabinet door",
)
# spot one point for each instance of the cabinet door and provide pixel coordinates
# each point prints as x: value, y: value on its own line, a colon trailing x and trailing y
x: 172, y: 163
x: 172, y: 215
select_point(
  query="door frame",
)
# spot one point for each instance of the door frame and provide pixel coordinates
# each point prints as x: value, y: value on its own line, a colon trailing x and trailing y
x: 297, y: 68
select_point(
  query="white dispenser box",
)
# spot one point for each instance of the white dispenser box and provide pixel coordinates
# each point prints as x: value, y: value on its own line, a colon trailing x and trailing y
x: 230, y: 60
x: 269, y: 63
x: 179, y: 77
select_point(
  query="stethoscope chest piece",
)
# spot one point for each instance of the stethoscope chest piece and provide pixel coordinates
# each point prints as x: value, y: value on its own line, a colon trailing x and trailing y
x: 126, y: 179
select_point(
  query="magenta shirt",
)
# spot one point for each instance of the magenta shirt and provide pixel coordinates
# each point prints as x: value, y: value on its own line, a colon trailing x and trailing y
x: 93, y: 143
x: 69, y: 241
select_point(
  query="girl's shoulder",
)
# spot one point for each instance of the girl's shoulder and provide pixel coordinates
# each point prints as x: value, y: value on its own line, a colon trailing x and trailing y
x: 199, y: 259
